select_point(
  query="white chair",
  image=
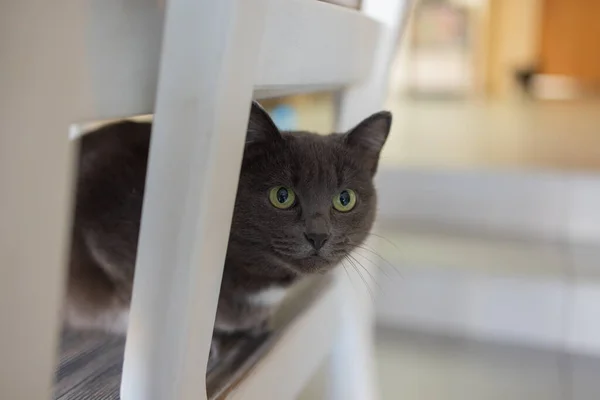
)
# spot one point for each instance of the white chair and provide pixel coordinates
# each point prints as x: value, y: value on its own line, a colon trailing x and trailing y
x: 86, y: 60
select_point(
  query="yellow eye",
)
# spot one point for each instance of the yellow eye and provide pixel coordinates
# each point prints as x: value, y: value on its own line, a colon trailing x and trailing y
x: 345, y: 200
x: 282, y: 197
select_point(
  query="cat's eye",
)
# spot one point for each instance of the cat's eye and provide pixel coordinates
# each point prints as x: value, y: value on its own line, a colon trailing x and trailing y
x: 345, y: 200
x: 282, y: 197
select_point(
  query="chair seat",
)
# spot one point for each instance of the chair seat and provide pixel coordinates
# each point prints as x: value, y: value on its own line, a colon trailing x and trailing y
x: 90, y: 366
x: 91, y: 363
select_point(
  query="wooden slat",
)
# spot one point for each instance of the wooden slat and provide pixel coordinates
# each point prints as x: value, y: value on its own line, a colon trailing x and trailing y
x: 314, y: 43
x: 305, y: 43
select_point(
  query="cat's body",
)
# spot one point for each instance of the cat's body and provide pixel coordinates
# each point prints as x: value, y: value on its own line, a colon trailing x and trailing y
x: 272, y: 242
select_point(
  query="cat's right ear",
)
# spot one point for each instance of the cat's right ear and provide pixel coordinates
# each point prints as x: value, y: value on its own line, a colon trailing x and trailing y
x: 261, y: 127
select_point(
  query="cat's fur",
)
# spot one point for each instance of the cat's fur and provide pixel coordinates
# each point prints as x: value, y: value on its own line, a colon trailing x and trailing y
x: 268, y: 249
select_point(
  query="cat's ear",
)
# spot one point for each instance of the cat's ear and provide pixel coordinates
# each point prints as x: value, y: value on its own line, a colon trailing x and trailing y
x: 370, y: 135
x: 261, y: 127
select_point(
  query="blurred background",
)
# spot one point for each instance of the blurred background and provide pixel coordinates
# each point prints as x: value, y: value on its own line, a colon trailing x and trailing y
x: 489, y: 201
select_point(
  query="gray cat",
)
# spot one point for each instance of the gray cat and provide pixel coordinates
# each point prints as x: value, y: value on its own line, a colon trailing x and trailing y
x: 304, y: 201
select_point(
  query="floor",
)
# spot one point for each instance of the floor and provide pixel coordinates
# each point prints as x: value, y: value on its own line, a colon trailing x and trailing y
x: 476, y: 134
x: 415, y: 366
x: 418, y: 366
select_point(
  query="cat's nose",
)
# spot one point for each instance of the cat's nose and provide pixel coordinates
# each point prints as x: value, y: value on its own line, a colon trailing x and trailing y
x: 317, y: 240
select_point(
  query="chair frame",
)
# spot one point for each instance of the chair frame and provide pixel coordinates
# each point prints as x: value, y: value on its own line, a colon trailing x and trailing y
x: 78, y: 61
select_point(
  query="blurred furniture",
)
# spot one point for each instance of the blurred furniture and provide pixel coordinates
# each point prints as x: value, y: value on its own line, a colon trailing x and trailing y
x: 195, y: 65
x: 568, y: 63
x: 569, y: 46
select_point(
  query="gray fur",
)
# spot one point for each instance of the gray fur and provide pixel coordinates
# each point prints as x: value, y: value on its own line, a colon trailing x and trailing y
x: 268, y: 247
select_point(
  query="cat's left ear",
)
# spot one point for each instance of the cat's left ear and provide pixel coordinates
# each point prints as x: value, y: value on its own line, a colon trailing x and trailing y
x: 261, y: 127
x: 370, y: 135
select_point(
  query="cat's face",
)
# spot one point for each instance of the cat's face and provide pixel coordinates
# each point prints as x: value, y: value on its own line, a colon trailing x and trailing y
x: 307, y: 200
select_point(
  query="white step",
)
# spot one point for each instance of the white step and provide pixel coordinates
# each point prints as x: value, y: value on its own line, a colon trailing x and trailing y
x: 535, y: 293
x: 537, y: 204
x: 503, y: 255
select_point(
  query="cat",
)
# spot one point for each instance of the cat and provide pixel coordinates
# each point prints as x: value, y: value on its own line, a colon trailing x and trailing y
x: 304, y: 201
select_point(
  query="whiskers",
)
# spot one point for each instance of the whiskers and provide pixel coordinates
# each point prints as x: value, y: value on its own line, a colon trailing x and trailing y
x: 371, y: 251
x: 361, y: 263
x: 355, y: 265
x: 362, y: 258
x: 363, y: 246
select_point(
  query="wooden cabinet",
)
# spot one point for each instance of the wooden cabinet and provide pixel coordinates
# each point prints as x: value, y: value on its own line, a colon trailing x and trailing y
x: 570, y: 39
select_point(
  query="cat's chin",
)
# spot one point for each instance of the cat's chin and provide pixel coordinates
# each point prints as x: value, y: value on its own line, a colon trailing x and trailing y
x: 307, y: 264
x: 313, y: 264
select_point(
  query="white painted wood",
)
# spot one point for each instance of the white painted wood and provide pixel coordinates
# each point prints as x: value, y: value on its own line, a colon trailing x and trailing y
x: 315, y: 43
x: 345, y: 3
x: 210, y: 51
x: 369, y: 96
x: 289, y: 365
x: 42, y: 91
x: 352, y: 369
x: 299, y: 48
x: 124, y: 40
x: 104, y: 64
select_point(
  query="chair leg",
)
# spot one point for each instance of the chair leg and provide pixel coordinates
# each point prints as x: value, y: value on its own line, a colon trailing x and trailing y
x: 351, y: 369
x: 210, y: 50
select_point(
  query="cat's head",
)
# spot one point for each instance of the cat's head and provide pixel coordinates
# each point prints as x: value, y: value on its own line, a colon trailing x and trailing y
x: 307, y: 200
